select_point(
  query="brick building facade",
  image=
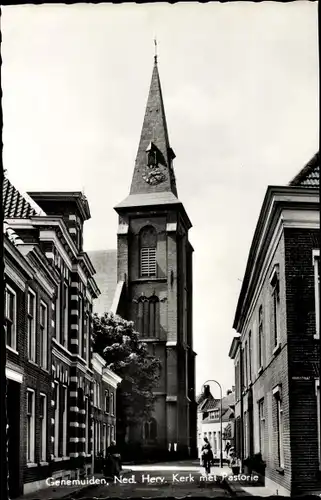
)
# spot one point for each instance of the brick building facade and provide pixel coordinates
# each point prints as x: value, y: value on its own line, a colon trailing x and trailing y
x: 154, y: 282
x: 48, y: 307
x: 209, y: 422
x: 277, y: 352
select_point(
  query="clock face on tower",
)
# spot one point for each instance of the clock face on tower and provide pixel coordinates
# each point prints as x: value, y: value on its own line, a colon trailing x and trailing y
x: 154, y: 175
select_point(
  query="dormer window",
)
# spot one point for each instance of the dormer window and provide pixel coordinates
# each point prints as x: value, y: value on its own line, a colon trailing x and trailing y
x: 214, y: 415
x: 151, y: 155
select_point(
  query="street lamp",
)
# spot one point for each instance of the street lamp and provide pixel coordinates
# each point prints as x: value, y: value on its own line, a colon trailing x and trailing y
x: 221, y: 424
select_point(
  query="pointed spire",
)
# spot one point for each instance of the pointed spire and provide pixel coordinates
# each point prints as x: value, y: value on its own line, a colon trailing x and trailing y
x: 153, y: 172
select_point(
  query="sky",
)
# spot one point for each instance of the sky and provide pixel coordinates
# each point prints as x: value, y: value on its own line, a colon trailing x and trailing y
x: 240, y: 87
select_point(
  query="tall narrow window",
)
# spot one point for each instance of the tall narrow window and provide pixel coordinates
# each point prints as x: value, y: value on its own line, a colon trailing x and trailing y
x: 57, y: 315
x: 65, y: 314
x: 107, y: 402
x: 316, y: 265
x: 31, y: 320
x: 112, y: 404
x: 30, y: 426
x: 43, y: 427
x: 104, y: 440
x: 148, y: 244
x: 148, y: 316
x: 87, y: 338
x: 80, y: 327
x: 10, y: 319
x: 108, y: 435
x: 261, y: 426
x: 98, y: 395
x: 245, y: 365
x: 317, y: 389
x: 87, y: 425
x: 245, y: 437
x: 260, y: 339
x: 56, y: 418
x: 250, y: 357
x: 275, y: 285
x: 279, y: 422
x: 43, y: 335
x: 63, y: 418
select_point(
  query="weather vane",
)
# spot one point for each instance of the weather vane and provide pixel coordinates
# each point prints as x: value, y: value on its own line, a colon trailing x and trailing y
x: 155, y: 43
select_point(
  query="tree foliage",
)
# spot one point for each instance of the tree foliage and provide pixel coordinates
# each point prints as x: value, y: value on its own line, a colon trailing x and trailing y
x: 116, y: 340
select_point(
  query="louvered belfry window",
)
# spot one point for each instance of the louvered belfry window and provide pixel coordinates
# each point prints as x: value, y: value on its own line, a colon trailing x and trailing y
x: 148, y: 243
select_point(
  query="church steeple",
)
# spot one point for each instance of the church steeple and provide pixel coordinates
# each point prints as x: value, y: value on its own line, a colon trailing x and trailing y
x: 153, y: 172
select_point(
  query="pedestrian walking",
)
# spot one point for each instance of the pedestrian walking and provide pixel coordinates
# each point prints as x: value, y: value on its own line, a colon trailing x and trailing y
x: 113, y: 461
x: 207, y: 455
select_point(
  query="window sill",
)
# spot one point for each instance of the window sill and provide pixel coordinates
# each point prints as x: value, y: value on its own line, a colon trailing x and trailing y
x: 44, y: 463
x: 280, y: 470
x: 150, y: 278
x: 260, y: 370
x: 316, y: 336
x: 33, y: 363
x: 60, y: 459
x: 276, y: 349
x: 31, y: 464
x: 45, y: 370
x: 11, y: 349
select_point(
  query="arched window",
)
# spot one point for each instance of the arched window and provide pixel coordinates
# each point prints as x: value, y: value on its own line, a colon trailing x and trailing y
x: 150, y: 430
x: 148, y: 319
x: 148, y: 244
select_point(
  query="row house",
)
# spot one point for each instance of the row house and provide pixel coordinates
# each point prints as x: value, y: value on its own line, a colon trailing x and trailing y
x: 104, y: 405
x: 49, y: 294
x: 277, y: 351
x: 209, y: 422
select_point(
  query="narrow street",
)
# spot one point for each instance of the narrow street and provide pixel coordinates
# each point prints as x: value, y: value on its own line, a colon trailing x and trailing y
x: 160, y: 480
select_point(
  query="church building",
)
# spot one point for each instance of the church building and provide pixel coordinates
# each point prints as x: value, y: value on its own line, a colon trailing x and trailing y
x: 154, y: 281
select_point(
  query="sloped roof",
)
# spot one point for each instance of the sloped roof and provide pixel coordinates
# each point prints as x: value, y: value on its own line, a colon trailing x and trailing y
x: 210, y: 404
x: 15, y: 205
x: 309, y: 176
x: 154, y: 134
x: 105, y: 263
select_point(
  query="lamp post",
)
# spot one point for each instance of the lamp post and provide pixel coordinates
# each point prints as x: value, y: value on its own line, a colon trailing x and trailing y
x: 221, y: 423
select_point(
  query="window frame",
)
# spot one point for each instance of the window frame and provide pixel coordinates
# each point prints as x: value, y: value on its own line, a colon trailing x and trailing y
x: 148, y: 262
x: 277, y: 393
x: 56, y: 420
x: 318, y: 401
x: 276, y: 300
x: 261, y: 416
x: 316, y: 269
x: 65, y: 313
x: 31, y: 335
x: 87, y: 425
x: 12, y: 292
x: 80, y: 326
x: 43, y: 428
x: 112, y: 404
x: 44, y: 330
x: 260, y: 336
x: 31, y: 431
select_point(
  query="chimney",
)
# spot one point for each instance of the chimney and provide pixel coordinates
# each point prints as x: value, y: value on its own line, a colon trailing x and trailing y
x: 206, y: 391
x: 233, y: 388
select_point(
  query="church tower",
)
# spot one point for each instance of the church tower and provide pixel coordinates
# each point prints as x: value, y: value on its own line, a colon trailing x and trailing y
x: 154, y: 273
